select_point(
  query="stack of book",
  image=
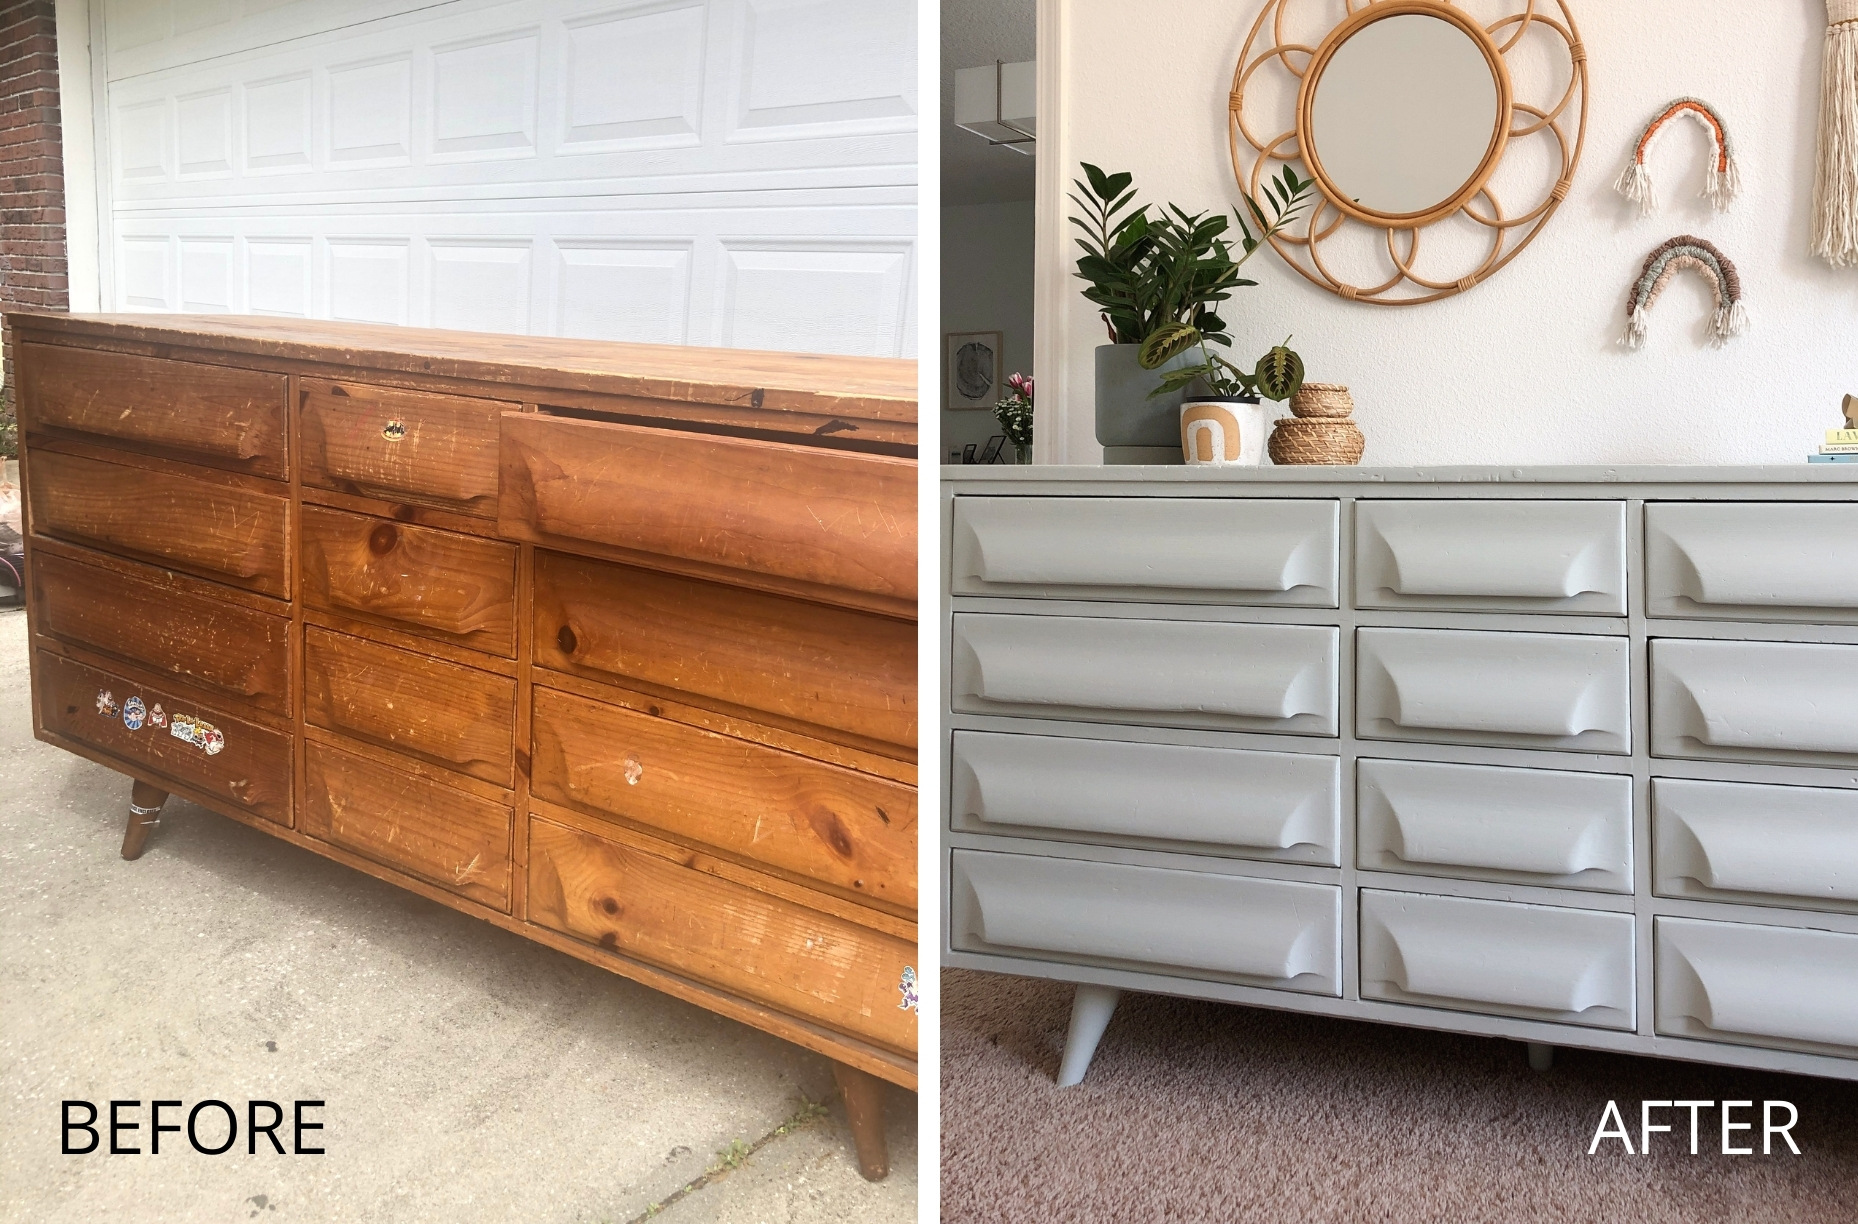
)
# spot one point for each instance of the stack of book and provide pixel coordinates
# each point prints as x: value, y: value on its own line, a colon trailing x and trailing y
x: 1840, y: 446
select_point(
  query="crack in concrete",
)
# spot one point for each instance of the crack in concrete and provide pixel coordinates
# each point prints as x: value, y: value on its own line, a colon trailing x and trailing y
x: 731, y: 1158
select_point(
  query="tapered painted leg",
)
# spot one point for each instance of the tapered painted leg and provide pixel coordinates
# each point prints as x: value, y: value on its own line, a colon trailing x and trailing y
x: 864, y: 1109
x: 144, y: 814
x: 1091, y: 1009
x: 1541, y: 1057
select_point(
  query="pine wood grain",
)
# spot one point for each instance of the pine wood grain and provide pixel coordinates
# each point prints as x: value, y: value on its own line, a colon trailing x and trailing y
x: 454, y: 716
x: 815, y: 664
x: 406, y: 445
x: 204, y: 527
x: 651, y: 906
x: 422, y: 580
x: 457, y: 841
x: 229, y: 417
x: 167, y: 623
x: 831, y: 825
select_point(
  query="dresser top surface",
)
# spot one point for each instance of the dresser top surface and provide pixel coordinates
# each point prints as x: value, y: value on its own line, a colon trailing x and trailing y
x: 880, y: 388
x: 976, y: 478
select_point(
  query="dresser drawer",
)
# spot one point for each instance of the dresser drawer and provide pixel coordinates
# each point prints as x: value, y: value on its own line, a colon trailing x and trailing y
x: 421, y: 580
x: 1528, y: 826
x: 1256, y: 932
x: 645, y: 899
x: 407, y: 446
x: 1252, y: 551
x: 1180, y: 673
x: 1533, y: 690
x: 166, y: 623
x: 841, y: 828
x: 1766, y: 845
x: 209, y: 413
x: 1263, y: 805
x: 174, y: 739
x: 197, y: 524
x: 443, y: 836
x: 1752, y: 560
x: 848, y: 671
x: 1520, y: 555
x: 1535, y: 961
x: 1789, y: 988
x: 804, y: 520
x: 458, y: 717
x: 1755, y: 701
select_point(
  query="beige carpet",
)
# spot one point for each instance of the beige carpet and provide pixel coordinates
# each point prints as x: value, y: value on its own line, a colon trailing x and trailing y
x: 1204, y: 1111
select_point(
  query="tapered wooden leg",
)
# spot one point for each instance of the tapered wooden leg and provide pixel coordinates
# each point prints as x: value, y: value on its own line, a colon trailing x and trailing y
x: 144, y: 814
x: 1091, y: 1009
x: 1541, y: 1056
x: 864, y: 1109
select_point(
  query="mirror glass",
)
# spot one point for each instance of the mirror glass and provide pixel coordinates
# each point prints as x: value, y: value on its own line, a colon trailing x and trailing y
x: 1403, y: 114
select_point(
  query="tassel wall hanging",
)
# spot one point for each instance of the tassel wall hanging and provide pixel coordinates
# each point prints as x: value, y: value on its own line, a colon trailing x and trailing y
x: 1721, y: 180
x: 1680, y: 253
x: 1835, y: 195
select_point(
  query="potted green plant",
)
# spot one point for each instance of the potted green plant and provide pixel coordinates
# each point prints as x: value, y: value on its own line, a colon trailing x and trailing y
x: 1213, y: 379
x: 1147, y: 272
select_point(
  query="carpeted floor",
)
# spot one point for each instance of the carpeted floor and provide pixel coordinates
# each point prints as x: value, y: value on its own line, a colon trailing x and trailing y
x: 1205, y: 1111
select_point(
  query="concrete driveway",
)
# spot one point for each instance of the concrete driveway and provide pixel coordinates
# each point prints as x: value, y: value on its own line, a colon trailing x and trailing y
x: 468, y: 1075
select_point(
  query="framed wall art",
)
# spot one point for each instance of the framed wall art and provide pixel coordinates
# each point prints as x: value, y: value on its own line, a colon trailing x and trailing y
x: 973, y: 369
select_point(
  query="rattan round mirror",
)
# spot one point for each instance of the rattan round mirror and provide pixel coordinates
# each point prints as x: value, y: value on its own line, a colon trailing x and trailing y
x: 1408, y: 114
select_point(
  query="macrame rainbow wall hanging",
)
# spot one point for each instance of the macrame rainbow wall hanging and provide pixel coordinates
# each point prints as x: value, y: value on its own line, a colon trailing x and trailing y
x: 1721, y: 180
x: 1835, y: 192
x: 1677, y: 255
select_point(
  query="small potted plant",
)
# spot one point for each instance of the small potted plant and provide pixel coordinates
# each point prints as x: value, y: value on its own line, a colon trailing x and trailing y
x: 1015, y: 415
x: 1214, y: 383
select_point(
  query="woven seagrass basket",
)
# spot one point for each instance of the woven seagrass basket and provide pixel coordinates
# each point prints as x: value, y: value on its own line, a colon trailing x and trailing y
x: 1296, y: 440
x: 1324, y: 400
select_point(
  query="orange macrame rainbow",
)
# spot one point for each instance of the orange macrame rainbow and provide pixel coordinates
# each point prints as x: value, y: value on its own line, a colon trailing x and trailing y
x: 1721, y: 180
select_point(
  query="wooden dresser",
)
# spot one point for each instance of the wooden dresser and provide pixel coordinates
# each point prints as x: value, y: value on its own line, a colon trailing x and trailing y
x: 610, y: 645
x: 1562, y: 755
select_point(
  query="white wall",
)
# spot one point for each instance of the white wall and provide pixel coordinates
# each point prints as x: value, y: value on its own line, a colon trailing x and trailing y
x: 986, y: 286
x: 1524, y: 368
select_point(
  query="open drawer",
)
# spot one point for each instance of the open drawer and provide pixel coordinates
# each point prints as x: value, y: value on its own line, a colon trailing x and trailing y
x: 833, y: 525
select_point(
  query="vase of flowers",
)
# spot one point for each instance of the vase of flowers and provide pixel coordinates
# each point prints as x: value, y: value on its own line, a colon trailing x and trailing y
x: 1015, y: 415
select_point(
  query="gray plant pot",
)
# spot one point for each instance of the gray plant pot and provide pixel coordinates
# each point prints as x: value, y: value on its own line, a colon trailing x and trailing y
x: 1126, y: 416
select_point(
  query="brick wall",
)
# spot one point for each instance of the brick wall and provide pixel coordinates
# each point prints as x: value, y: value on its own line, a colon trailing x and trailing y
x: 32, y: 198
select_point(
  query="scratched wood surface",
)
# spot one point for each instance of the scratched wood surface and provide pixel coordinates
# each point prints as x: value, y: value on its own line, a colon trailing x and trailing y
x: 635, y: 895
x: 404, y: 445
x: 422, y: 580
x: 811, y: 663
x: 250, y: 769
x: 444, y: 713
x: 166, y: 622
x: 832, y: 825
x: 229, y: 417
x: 227, y: 533
x: 457, y: 841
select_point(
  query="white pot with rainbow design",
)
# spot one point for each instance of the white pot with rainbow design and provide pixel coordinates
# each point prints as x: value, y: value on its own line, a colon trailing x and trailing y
x: 1223, y: 431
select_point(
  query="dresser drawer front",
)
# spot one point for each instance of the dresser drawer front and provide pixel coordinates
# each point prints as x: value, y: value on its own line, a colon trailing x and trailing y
x: 841, y: 828
x: 409, y: 446
x: 1181, y: 673
x: 458, y: 717
x: 847, y: 671
x: 443, y: 836
x: 1757, y: 985
x: 166, y: 624
x: 1528, y: 826
x: 214, y: 414
x: 421, y: 580
x: 802, y: 517
x: 1753, y: 560
x: 648, y: 904
x: 198, y: 525
x: 1534, y: 961
x: 1767, y: 845
x: 246, y: 766
x: 1263, y: 805
x: 1536, y: 690
x: 1755, y: 701
x: 1234, y: 550
x: 1272, y: 933
x: 1520, y: 555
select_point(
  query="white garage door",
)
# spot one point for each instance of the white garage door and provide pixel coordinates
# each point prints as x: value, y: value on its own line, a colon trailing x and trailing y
x: 721, y: 172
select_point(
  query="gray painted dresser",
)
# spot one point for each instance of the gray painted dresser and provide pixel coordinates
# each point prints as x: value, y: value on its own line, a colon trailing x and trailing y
x: 1562, y: 755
